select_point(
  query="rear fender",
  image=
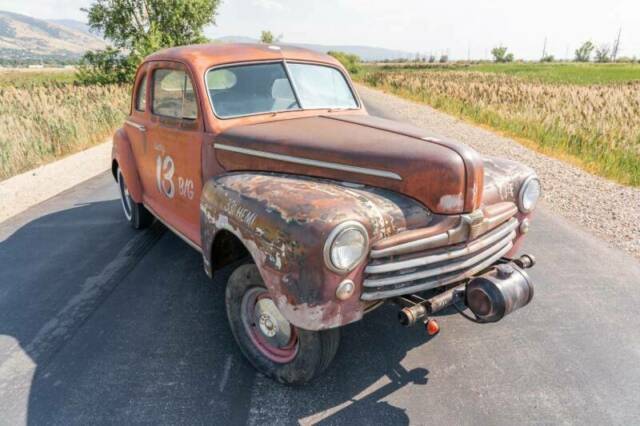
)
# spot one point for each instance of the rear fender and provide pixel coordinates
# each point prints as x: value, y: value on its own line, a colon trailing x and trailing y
x: 283, y: 221
x: 123, y: 154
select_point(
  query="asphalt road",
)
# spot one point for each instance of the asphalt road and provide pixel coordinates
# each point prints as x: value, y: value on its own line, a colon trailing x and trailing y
x: 100, y: 324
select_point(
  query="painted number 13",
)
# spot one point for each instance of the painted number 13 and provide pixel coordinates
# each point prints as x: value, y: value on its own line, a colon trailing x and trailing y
x: 165, y: 168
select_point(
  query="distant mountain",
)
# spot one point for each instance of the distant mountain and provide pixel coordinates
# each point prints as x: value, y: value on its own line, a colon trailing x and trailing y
x: 72, y: 24
x: 366, y: 53
x: 26, y: 38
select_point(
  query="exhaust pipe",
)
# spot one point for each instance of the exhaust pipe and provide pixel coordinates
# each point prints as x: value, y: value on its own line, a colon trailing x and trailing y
x: 502, y: 290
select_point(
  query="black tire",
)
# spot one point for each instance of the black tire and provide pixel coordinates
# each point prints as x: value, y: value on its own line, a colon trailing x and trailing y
x: 314, y: 349
x: 135, y: 213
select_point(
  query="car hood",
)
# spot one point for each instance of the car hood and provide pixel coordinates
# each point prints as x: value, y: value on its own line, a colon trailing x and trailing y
x: 446, y: 177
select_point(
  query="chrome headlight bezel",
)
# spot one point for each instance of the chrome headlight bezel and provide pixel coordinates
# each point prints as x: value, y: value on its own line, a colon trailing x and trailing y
x: 350, y: 225
x: 526, y: 185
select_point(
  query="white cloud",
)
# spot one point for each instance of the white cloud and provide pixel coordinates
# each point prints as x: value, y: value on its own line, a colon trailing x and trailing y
x: 269, y: 4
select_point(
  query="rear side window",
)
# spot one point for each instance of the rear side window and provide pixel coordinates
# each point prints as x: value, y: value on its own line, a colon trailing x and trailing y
x: 141, y: 96
x: 173, y: 94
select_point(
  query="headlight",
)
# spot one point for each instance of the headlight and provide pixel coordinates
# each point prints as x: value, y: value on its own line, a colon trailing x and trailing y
x: 529, y: 194
x: 346, y: 246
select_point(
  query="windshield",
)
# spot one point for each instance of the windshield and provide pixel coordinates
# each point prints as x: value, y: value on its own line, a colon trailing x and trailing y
x: 263, y: 88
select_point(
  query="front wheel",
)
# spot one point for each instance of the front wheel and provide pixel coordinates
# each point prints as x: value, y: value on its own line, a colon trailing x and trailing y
x: 136, y: 214
x: 275, y: 347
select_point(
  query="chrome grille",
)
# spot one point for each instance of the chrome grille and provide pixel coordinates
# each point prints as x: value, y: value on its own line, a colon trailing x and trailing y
x: 422, y: 270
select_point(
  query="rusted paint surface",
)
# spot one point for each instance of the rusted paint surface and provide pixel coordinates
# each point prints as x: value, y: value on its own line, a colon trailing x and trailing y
x: 284, y: 222
x: 466, y: 201
x: 432, y: 173
x: 503, y: 179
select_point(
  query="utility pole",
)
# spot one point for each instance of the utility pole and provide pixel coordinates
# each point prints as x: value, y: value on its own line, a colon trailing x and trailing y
x: 616, y: 46
x: 544, y: 49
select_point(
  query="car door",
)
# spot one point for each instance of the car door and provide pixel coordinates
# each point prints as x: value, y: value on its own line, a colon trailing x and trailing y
x: 175, y: 134
x: 136, y: 125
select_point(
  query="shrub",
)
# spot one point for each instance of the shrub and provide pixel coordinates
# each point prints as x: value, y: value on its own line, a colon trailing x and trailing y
x: 349, y: 61
x: 500, y: 54
x: 603, y: 54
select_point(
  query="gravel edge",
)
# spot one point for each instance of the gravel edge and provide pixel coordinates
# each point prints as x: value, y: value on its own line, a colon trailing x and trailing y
x: 607, y: 209
x: 25, y: 190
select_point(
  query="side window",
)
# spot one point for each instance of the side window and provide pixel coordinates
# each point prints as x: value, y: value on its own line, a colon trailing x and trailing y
x: 173, y: 94
x: 141, y: 96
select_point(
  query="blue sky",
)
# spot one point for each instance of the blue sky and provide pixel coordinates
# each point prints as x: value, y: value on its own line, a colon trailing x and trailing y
x: 454, y: 26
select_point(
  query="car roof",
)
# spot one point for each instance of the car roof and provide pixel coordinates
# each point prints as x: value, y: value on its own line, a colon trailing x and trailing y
x: 204, y: 56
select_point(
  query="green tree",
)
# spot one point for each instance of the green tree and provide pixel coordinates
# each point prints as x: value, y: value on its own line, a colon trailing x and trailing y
x: 583, y: 53
x: 500, y: 54
x: 603, y: 54
x: 349, y: 61
x: 268, y: 37
x: 137, y: 28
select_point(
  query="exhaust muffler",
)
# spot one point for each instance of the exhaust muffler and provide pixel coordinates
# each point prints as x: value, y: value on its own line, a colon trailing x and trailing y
x: 497, y: 293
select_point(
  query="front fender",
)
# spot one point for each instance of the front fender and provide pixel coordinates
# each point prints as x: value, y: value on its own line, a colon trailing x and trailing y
x: 284, y: 220
x: 122, y: 153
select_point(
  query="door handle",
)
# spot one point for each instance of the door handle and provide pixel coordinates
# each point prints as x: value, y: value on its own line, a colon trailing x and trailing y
x: 136, y: 125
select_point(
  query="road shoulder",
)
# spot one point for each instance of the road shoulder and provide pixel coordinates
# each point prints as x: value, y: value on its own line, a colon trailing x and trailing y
x: 25, y: 190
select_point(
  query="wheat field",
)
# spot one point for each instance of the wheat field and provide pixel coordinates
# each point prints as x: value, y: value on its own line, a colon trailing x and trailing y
x: 597, y: 125
x: 42, y: 122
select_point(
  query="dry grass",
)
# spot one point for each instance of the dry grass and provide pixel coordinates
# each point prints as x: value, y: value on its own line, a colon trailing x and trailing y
x: 598, y: 125
x: 42, y: 122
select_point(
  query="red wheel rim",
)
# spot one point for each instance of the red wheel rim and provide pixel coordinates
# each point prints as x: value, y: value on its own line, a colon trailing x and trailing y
x: 268, y: 330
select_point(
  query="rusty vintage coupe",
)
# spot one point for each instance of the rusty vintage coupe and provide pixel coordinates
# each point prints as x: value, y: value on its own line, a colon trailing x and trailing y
x: 264, y: 158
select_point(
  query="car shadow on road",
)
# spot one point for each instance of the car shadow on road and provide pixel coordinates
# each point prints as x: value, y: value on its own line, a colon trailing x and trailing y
x: 115, y: 325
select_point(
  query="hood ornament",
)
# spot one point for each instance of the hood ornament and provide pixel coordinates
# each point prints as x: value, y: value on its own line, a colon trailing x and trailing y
x: 473, y: 221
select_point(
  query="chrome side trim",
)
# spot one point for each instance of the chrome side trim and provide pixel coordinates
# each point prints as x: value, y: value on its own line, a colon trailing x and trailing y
x: 136, y: 125
x: 174, y: 230
x: 309, y: 162
x: 471, y: 248
x: 384, y: 294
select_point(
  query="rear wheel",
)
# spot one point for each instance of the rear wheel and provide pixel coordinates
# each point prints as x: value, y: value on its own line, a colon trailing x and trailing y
x: 135, y: 213
x: 275, y: 347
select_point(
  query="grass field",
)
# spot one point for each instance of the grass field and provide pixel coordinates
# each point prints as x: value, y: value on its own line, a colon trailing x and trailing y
x: 43, y: 116
x: 28, y: 77
x: 588, y: 113
x: 560, y: 73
